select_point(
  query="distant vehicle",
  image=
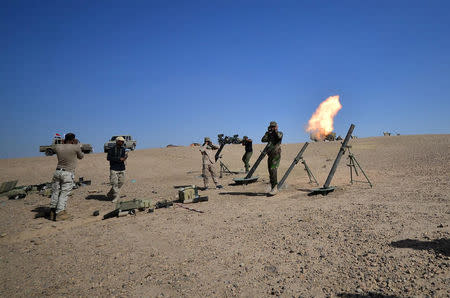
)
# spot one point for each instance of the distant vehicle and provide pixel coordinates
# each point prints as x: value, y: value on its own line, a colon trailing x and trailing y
x: 129, y: 143
x: 50, y: 150
x: 329, y: 137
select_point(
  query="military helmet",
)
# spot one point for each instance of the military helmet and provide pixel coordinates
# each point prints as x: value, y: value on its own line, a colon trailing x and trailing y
x: 120, y: 139
x: 272, y: 124
x: 207, y: 139
x: 245, y: 137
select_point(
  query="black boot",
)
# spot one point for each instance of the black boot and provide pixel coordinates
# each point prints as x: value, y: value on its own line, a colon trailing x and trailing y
x: 52, y: 214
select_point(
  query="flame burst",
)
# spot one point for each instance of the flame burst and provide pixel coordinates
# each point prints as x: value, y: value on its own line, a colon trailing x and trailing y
x: 321, y: 122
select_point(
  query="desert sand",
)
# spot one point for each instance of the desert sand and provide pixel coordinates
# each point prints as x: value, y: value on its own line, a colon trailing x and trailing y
x: 389, y: 240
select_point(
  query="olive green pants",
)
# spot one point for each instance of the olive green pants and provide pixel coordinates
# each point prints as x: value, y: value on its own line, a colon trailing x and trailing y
x: 246, y: 160
x: 273, y: 162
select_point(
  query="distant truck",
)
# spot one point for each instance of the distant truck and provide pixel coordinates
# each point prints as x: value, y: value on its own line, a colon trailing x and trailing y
x: 129, y: 143
x: 50, y: 150
x: 329, y: 137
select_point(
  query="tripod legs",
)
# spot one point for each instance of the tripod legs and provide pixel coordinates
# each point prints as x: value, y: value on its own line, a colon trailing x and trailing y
x: 225, y: 169
x: 311, y: 177
x: 354, y: 165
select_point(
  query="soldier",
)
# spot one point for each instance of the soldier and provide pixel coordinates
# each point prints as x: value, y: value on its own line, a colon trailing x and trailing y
x: 248, y: 152
x: 116, y: 156
x: 273, y: 137
x: 63, y: 178
x: 208, y: 163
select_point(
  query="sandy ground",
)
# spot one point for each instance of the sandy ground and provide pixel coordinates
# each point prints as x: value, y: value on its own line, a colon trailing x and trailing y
x: 389, y: 240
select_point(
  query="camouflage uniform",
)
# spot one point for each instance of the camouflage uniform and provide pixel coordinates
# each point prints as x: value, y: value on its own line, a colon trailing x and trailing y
x: 273, y: 152
x: 63, y: 177
x: 248, y: 153
x: 116, y: 171
x: 208, y: 162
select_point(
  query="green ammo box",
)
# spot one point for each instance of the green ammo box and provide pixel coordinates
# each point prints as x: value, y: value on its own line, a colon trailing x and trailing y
x: 188, y: 193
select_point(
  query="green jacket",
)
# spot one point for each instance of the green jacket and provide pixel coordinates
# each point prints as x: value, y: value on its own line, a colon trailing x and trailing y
x: 274, y: 139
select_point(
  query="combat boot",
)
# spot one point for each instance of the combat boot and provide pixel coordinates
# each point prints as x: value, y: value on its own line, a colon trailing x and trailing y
x: 274, y: 191
x: 63, y: 215
x: 52, y: 214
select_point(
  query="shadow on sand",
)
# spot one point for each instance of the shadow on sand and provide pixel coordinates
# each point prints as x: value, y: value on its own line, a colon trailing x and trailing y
x: 439, y: 246
x: 98, y: 197
x: 42, y: 212
x: 241, y: 193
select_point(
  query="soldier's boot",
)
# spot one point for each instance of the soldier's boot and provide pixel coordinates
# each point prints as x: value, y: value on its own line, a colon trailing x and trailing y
x: 274, y: 190
x: 52, y: 214
x: 63, y: 215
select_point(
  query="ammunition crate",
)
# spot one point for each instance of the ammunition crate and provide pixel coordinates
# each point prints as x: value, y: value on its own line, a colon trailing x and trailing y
x: 188, y: 193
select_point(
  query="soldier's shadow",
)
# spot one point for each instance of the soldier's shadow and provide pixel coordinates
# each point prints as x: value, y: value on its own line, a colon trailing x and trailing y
x: 245, y: 193
x: 42, y: 212
x: 439, y: 246
x: 98, y: 197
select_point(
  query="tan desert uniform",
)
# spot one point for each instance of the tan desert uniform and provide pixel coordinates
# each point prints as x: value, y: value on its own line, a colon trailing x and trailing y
x: 208, y: 162
x: 63, y: 177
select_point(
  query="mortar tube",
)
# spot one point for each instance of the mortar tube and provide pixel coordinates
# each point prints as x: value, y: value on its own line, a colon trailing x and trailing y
x: 296, y: 160
x: 338, y: 157
x: 258, y: 161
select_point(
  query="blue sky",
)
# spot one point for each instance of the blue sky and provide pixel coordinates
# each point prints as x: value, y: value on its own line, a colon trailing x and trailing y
x: 172, y: 72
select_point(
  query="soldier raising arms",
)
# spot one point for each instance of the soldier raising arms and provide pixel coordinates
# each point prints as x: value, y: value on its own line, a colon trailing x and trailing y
x: 62, y: 183
x: 273, y: 137
x: 116, y: 156
x: 208, y: 163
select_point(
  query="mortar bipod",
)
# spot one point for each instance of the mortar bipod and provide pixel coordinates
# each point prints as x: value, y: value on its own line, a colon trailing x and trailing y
x: 298, y: 158
x: 326, y: 187
x: 249, y: 179
x: 353, y: 164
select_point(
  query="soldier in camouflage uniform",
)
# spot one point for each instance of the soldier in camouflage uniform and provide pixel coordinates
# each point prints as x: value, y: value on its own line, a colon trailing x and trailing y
x: 62, y: 182
x: 116, y: 157
x: 273, y: 137
x: 248, y: 152
x: 208, y: 163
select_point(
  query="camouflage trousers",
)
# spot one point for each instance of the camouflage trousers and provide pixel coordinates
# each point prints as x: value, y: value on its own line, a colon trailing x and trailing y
x: 273, y: 162
x: 116, y: 179
x: 246, y: 160
x: 208, y: 168
x: 62, y: 184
